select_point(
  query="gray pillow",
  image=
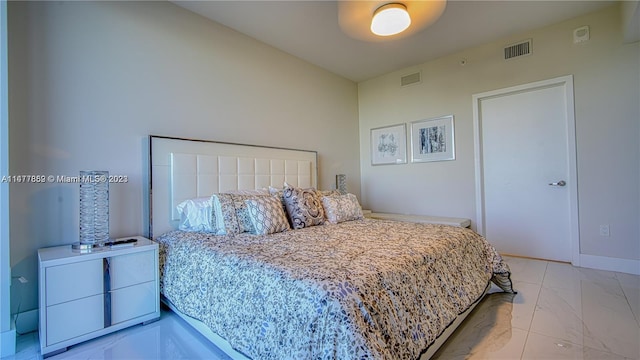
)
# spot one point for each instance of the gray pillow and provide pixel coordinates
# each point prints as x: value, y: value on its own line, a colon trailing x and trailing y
x: 304, y: 207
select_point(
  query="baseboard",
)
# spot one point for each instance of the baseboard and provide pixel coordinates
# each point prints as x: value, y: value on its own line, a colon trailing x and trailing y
x: 26, y: 321
x: 628, y: 266
x: 8, y: 343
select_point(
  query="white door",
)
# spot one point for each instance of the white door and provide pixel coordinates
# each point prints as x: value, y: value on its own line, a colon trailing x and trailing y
x: 525, y: 136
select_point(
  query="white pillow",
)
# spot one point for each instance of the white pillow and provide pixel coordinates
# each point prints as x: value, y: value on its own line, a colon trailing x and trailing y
x: 201, y: 214
x: 195, y: 214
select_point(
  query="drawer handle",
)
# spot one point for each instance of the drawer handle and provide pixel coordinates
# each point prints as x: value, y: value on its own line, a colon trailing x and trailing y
x: 106, y: 284
x: 559, y: 183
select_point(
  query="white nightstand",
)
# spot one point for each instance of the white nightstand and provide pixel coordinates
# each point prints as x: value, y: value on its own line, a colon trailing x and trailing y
x: 424, y: 219
x: 86, y: 295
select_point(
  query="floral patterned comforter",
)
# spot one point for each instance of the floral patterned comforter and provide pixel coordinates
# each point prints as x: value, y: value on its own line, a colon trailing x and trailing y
x: 355, y: 290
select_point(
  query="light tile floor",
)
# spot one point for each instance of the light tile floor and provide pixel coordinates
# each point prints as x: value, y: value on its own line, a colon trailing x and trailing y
x: 560, y: 312
x: 168, y: 338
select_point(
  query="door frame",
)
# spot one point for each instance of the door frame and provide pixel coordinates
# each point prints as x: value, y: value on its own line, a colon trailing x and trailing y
x: 7, y: 330
x: 572, y: 178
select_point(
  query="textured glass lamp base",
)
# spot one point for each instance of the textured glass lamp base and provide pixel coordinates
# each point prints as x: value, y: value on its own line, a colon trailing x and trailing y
x: 94, y: 207
x: 86, y: 247
x: 341, y: 183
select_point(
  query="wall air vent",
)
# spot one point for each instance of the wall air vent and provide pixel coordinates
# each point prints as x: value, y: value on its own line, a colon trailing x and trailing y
x: 411, y: 79
x: 517, y: 50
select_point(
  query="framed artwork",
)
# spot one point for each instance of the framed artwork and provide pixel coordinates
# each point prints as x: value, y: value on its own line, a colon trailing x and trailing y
x: 389, y: 145
x: 432, y: 140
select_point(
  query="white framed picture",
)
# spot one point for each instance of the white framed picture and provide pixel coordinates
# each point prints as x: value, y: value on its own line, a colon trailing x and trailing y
x: 433, y: 140
x: 389, y: 145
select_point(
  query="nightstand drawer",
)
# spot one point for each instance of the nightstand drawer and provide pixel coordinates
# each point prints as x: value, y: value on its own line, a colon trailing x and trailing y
x: 74, y: 281
x: 132, y: 302
x: 132, y: 269
x: 74, y: 318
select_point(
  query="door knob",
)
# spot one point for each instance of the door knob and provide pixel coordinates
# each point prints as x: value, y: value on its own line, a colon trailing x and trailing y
x: 559, y: 183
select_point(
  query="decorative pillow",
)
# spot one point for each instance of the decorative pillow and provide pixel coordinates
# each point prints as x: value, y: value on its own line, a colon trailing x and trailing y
x: 226, y: 212
x: 234, y: 212
x: 320, y: 193
x: 328, y: 193
x: 242, y: 213
x: 342, y: 208
x: 267, y: 215
x: 304, y: 207
x: 276, y: 192
x: 216, y: 216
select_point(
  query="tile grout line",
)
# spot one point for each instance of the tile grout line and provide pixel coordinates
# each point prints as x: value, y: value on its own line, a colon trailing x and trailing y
x: 584, y: 325
x: 636, y: 316
x: 546, y: 265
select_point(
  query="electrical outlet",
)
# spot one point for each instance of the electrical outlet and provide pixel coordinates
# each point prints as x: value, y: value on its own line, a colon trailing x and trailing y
x: 604, y: 230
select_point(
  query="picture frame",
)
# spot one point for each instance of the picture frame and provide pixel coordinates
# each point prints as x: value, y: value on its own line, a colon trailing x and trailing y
x: 433, y: 139
x: 389, y: 145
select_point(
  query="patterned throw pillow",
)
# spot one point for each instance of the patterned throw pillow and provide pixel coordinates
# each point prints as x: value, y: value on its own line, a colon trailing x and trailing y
x: 304, y: 207
x: 242, y: 213
x: 278, y: 193
x: 267, y: 215
x: 228, y: 213
x: 334, y: 192
x: 234, y: 212
x: 342, y: 208
x: 217, y: 218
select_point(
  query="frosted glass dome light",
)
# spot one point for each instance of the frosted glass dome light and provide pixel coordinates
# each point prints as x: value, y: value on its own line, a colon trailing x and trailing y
x: 390, y: 19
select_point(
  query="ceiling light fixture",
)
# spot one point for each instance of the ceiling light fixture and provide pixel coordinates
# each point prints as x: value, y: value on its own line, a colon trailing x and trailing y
x: 354, y: 17
x: 390, y: 19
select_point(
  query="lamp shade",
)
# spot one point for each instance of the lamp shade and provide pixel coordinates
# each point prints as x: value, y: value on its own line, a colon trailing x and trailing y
x: 390, y: 19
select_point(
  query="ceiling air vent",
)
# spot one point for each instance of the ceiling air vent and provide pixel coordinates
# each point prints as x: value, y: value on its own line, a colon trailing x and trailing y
x: 411, y: 79
x: 516, y: 50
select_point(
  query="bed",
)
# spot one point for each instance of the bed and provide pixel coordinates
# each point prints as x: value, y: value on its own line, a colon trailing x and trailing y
x: 357, y: 289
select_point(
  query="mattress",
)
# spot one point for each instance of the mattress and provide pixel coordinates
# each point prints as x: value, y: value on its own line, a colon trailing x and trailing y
x: 359, y: 289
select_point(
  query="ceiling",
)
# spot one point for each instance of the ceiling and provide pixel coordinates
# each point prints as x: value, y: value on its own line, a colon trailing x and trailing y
x: 310, y: 30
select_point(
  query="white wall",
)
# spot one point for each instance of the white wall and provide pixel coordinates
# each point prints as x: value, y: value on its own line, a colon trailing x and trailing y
x: 630, y: 20
x: 89, y: 81
x: 607, y: 93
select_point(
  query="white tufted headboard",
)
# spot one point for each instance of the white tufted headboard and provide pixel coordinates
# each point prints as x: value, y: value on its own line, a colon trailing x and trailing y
x: 182, y: 169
